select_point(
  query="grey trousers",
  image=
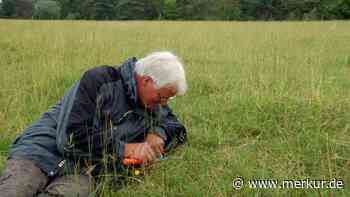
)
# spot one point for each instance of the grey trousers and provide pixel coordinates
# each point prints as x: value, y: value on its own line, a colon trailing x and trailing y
x: 21, y: 178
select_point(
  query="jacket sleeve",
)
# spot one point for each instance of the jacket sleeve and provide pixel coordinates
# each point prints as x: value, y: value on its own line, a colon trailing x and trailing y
x: 87, y: 126
x: 170, y: 129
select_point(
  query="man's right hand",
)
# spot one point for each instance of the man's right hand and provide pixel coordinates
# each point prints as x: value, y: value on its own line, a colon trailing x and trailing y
x: 141, y: 151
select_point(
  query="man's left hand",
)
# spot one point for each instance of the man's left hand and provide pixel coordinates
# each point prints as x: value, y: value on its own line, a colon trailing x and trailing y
x: 156, y: 143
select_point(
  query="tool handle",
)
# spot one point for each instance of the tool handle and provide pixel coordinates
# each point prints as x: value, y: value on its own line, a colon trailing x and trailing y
x: 130, y: 161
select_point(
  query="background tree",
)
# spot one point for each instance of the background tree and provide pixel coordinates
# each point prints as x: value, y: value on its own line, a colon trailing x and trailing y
x: 46, y: 9
x: 183, y: 9
x: 158, y: 7
x: 1, y: 10
x: 136, y: 9
x: 71, y: 8
x: 8, y: 7
x: 24, y: 8
x: 169, y: 10
x: 205, y: 10
x: 86, y: 9
x: 343, y: 9
x: 228, y: 9
x: 104, y: 10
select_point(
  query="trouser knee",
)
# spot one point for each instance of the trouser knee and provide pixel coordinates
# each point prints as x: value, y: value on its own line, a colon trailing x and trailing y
x: 21, y: 178
x: 69, y: 186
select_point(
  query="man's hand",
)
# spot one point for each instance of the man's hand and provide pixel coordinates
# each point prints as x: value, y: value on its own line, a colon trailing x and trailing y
x: 140, y: 151
x: 156, y: 143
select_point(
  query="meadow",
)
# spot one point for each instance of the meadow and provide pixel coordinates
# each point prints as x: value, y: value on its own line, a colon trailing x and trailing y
x: 266, y: 100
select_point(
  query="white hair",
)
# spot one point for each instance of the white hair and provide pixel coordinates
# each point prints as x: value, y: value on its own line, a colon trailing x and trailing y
x: 165, y: 69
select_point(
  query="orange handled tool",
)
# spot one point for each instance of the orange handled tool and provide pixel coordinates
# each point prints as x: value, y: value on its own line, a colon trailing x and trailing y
x: 130, y: 161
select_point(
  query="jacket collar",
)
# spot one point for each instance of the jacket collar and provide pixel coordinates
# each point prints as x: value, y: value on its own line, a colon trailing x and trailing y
x: 127, y: 70
x: 127, y: 75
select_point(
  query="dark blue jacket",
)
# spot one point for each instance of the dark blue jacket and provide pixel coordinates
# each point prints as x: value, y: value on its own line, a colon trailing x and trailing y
x: 96, y: 116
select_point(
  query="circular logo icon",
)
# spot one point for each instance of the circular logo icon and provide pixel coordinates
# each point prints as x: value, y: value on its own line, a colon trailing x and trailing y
x: 237, y: 183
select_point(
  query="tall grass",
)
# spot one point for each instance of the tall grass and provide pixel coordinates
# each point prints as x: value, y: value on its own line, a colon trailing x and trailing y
x: 266, y: 100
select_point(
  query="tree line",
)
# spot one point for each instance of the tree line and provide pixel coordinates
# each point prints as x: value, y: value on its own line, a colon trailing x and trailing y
x: 177, y: 9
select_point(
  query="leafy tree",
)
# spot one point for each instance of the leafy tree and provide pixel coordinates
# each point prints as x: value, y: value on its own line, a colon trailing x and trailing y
x: 24, y: 8
x: 104, y: 10
x: 184, y: 9
x: 252, y: 9
x: 205, y: 10
x: 179, y: 9
x: 46, y: 9
x: 71, y: 8
x: 157, y: 6
x: 228, y: 9
x: 294, y: 9
x: 288, y: 9
x: 343, y: 9
x: 86, y: 10
x: 169, y: 10
x: 8, y: 7
x: 136, y: 9
x: 195, y: 9
x: 1, y: 10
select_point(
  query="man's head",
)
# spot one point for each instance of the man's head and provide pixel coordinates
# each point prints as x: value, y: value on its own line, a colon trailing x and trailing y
x: 159, y: 77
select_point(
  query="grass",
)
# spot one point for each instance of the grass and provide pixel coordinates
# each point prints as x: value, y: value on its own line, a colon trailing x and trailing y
x: 266, y: 100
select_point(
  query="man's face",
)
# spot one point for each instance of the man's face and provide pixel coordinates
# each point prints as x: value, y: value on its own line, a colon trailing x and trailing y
x: 149, y: 96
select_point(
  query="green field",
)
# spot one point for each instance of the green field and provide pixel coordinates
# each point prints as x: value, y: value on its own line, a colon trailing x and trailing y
x: 266, y: 100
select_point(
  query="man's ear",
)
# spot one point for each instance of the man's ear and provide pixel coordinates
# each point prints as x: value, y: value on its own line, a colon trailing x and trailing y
x: 141, y: 80
x: 147, y: 79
